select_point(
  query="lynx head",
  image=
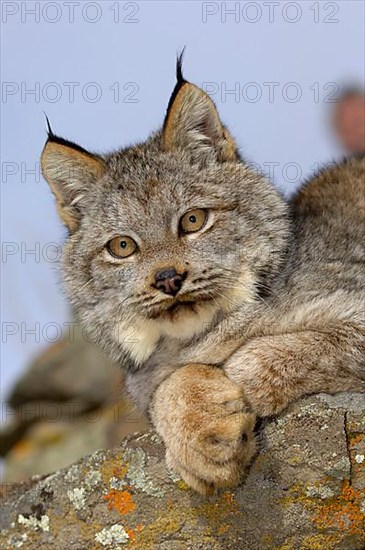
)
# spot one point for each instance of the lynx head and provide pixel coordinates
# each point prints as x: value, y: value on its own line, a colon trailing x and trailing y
x: 166, y: 235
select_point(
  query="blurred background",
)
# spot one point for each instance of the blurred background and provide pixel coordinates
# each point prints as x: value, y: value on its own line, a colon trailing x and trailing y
x: 288, y: 80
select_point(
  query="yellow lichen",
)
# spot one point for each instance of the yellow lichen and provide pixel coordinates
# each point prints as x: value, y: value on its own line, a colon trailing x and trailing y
x: 108, y: 468
x: 182, y: 485
x: 320, y: 542
x: 311, y: 542
x: 149, y: 535
x: 120, y: 471
x: 286, y: 546
x: 294, y: 460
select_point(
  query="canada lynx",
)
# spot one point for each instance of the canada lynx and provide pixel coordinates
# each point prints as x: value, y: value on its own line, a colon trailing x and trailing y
x: 221, y: 300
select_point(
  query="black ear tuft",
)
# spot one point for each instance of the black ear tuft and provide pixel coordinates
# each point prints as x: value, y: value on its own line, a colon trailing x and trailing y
x: 52, y: 138
x: 50, y: 134
x: 179, y: 61
x: 180, y: 81
x: 192, y: 122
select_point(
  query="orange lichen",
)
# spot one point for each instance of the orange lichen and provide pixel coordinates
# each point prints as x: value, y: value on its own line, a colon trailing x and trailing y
x: 22, y: 448
x: 120, y: 471
x: 131, y: 534
x: 108, y: 467
x: 229, y: 497
x: 222, y: 529
x: 355, y: 439
x: 121, y: 501
x: 344, y: 513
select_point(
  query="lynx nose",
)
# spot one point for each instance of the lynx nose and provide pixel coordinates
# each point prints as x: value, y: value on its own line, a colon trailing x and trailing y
x: 169, y: 281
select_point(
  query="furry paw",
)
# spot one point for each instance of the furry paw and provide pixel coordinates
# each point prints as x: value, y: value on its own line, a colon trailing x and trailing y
x: 207, y: 429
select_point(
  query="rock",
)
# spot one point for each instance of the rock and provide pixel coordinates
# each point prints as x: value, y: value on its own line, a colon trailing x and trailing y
x: 68, y: 404
x: 305, y: 490
x: 74, y: 370
x: 47, y: 446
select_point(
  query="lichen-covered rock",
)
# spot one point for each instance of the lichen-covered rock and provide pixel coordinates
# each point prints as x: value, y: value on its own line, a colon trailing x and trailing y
x: 305, y: 490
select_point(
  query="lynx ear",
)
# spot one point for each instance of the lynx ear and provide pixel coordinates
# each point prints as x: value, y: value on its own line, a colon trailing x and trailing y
x: 192, y: 121
x: 69, y: 170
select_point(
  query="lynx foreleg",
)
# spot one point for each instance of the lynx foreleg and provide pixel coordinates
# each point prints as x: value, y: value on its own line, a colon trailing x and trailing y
x: 275, y: 370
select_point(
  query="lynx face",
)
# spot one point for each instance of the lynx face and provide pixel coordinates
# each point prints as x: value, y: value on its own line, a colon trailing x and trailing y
x: 167, y: 234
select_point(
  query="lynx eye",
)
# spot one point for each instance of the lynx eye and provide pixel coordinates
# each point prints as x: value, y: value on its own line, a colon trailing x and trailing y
x: 121, y: 247
x: 193, y: 221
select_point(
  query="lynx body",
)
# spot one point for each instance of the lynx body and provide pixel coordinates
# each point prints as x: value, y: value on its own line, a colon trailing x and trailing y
x: 221, y: 300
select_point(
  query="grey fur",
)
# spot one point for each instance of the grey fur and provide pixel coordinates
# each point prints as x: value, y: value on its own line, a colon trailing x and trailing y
x: 287, y: 280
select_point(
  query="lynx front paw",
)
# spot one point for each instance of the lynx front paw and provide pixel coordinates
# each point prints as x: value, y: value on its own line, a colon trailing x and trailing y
x: 208, y: 432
